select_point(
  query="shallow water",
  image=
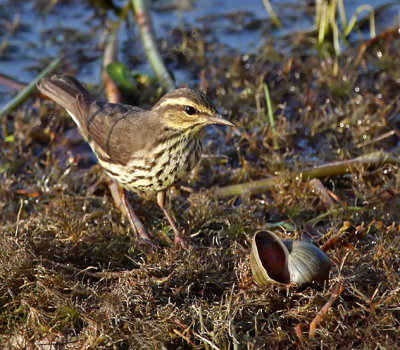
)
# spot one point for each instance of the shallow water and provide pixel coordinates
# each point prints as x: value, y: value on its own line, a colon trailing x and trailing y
x: 76, y: 30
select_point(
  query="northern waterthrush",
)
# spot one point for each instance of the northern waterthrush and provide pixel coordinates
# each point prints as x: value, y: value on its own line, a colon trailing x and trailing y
x: 143, y: 150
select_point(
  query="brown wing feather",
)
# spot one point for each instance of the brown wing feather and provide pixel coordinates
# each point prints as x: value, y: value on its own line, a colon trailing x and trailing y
x: 116, y: 131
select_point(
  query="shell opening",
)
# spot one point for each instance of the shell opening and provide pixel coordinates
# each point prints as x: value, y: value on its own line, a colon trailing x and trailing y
x: 273, y: 257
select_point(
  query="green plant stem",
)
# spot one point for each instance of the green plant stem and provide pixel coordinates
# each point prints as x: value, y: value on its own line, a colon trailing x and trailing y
x: 272, y: 13
x: 326, y: 170
x: 322, y: 21
x: 270, y: 110
x: 335, y: 32
x: 354, y: 18
x: 342, y: 13
x: 271, y: 115
x: 24, y: 93
x: 143, y: 18
x: 336, y: 211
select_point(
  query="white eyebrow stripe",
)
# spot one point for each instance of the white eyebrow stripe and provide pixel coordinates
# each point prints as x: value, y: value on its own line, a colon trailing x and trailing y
x: 180, y: 101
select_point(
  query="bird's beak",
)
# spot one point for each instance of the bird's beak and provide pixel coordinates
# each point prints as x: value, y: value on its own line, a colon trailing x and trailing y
x: 219, y: 119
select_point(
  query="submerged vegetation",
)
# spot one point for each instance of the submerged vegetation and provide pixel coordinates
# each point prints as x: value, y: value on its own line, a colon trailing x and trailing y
x: 72, y: 275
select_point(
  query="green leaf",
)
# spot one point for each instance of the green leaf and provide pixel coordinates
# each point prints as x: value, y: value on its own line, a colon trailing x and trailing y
x: 122, y: 76
x: 10, y: 138
x: 288, y: 226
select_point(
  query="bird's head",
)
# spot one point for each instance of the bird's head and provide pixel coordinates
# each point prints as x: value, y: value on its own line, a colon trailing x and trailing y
x: 188, y: 109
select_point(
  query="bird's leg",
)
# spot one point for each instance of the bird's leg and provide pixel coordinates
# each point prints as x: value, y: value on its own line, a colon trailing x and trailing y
x: 134, y: 220
x: 119, y: 195
x: 179, y: 241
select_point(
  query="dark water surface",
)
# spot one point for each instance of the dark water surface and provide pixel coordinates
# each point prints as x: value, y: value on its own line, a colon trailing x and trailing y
x: 34, y: 32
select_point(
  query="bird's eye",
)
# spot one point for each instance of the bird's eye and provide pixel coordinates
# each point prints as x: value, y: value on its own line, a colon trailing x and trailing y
x: 190, y: 110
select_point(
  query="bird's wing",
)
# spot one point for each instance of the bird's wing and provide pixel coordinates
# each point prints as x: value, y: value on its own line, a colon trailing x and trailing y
x: 116, y: 131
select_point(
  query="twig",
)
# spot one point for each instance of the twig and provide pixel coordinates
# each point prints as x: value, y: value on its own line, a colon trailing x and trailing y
x: 205, y: 340
x: 143, y: 18
x: 299, y: 332
x: 193, y: 345
x: 19, y: 217
x: 332, y: 242
x: 23, y: 94
x: 390, y: 32
x: 321, y: 313
x: 11, y: 84
x: 110, y: 55
x: 327, y: 170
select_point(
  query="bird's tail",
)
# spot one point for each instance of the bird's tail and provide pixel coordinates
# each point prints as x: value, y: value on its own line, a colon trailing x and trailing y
x: 70, y: 94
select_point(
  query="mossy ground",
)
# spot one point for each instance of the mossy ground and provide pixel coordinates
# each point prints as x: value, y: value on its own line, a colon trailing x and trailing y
x: 56, y: 239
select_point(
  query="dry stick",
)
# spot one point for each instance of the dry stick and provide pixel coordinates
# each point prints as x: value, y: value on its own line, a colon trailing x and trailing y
x: 24, y: 93
x: 205, y: 340
x: 11, y: 84
x: 391, y: 31
x: 321, y: 313
x: 299, y: 332
x: 147, y: 35
x: 327, y: 170
x: 110, y: 55
x: 332, y: 242
x: 185, y: 338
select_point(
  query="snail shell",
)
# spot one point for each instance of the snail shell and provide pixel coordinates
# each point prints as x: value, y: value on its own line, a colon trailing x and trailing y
x: 276, y: 261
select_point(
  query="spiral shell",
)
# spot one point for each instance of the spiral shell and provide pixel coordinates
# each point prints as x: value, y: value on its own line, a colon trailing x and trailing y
x: 276, y: 261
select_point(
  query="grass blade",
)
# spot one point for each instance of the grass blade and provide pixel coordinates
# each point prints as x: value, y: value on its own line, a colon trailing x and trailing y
x: 143, y: 18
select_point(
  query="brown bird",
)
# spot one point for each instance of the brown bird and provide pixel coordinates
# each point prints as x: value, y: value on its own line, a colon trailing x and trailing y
x: 143, y: 150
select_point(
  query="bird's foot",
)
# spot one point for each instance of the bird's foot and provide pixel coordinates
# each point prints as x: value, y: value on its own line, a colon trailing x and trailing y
x: 180, y: 241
